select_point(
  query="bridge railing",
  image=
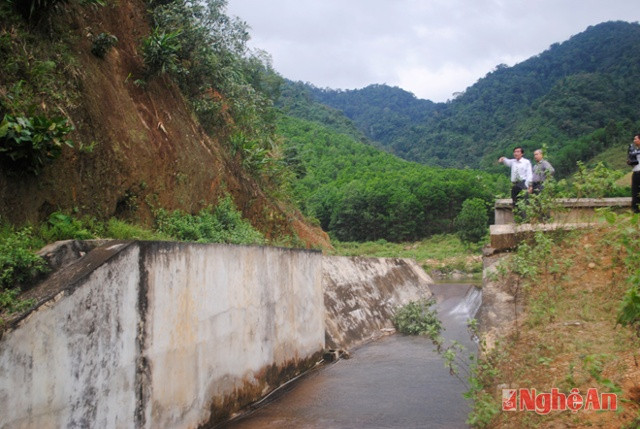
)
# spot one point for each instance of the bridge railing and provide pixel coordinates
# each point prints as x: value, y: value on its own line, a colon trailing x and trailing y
x: 569, y: 209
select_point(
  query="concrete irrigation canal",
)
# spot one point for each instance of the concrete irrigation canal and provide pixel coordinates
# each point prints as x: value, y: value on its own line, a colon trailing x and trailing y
x: 185, y: 335
x: 395, y: 382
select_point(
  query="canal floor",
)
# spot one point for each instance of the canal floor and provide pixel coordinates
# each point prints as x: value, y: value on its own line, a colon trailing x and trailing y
x: 395, y: 382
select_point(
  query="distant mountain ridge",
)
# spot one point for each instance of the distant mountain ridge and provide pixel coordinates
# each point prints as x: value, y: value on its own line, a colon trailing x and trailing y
x: 577, y: 98
x: 381, y: 112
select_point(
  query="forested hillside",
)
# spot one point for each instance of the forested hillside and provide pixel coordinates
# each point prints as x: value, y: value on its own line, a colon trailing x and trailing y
x: 578, y: 98
x: 296, y: 100
x: 359, y: 193
x: 383, y: 113
x: 128, y: 110
x: 132, y: 110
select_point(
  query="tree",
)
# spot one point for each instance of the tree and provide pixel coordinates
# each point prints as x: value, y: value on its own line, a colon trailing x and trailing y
x: 471, y: 223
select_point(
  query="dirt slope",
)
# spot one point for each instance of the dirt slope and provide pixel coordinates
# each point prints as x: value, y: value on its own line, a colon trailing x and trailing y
x: 149, y: 151
x: 565, y: 337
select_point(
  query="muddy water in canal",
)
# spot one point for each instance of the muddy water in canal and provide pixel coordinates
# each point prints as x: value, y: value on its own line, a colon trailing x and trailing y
x: 395, y: 382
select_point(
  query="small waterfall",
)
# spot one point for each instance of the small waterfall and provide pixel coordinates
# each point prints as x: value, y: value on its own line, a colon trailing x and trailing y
x: 470, y: 305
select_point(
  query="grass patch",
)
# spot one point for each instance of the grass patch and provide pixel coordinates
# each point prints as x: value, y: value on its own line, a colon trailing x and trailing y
x: 438, y: 246
x: 122, y: 230
x: 19, y: 265
x: 220, y: 224
x: 442, y: 253
x: 566, y: 336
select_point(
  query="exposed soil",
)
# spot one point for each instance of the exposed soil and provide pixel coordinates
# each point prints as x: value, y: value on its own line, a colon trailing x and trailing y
x: 150, y: 152
x: 567, y: 338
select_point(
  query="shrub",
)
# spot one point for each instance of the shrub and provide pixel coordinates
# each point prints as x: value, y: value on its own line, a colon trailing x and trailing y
x: 27, y: 144
x: 64, y: 227
x: 472, y: 221
x: 102, y: 43
x: 220, y: 224
x: 597, y: 182
x: 417, y: 318
x: 160, y: 51
x: 628, y: 228
x: 18, y: 264
x: 11, y: 303
x: 629, y: 313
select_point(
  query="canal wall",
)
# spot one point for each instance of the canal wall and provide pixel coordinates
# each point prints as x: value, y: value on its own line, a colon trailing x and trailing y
x: 168, y: 335
x: 361, y: 295
x: 497, y: 314
x: 182, y: 335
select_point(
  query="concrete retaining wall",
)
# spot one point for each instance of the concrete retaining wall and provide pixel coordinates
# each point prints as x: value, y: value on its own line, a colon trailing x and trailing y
x: 225, y: 325
x: 72, y: 362
x: 361, y: 295
x: 178, y: 335
x: 163, y: 335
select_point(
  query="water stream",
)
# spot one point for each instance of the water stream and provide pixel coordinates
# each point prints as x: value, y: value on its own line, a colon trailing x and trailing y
x: 395, y: 382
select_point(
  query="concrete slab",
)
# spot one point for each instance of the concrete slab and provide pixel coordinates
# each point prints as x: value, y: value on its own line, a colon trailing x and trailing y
x: 505, y: 237
x: 567, y: 209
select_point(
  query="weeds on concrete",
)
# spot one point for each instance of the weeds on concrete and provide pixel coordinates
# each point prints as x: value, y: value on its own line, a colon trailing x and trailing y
x: 418, y: 318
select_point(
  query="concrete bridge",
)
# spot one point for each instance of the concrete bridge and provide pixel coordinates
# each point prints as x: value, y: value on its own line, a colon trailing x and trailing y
x: 567, y: 213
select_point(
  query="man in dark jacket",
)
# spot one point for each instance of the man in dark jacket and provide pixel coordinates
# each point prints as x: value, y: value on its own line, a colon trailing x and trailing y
x: 632, y: 159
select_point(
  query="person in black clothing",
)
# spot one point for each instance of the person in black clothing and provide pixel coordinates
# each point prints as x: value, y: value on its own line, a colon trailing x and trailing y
x: 633, y: 158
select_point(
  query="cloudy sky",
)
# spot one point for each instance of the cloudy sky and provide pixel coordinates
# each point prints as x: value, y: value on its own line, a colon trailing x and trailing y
x: 432, y: 48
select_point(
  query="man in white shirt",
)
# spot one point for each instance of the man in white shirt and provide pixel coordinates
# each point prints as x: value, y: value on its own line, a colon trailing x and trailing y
x: 521, y: 175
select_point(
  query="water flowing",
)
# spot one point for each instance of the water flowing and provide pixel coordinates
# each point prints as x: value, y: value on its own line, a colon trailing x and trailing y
x: 396, y: 382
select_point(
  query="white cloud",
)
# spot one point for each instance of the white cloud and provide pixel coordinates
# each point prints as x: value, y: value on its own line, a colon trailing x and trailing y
x: 432, y: 48
x: 436, y: 84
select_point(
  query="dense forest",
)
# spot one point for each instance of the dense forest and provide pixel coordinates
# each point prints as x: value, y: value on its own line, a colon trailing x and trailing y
x: 577, y: 98
x: 383, y: 113
x: 360, y: 193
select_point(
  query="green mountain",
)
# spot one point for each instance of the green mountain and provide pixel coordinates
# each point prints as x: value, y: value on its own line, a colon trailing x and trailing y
x: 297, y: 100
x: 381, y: 112
x: 577, y: 98
x: 360, y: 193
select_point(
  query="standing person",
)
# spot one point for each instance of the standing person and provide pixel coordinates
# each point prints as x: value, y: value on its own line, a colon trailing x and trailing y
x: 541, y: 171
x: 633, y: 158
x: 520, y: 175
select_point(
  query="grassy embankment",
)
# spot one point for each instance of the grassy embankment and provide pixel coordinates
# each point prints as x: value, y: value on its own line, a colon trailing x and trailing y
x: 578, y: 328
x: 443, y: 256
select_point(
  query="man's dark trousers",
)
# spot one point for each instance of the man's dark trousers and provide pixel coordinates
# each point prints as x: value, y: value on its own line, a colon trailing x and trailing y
x: 516, y: 195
